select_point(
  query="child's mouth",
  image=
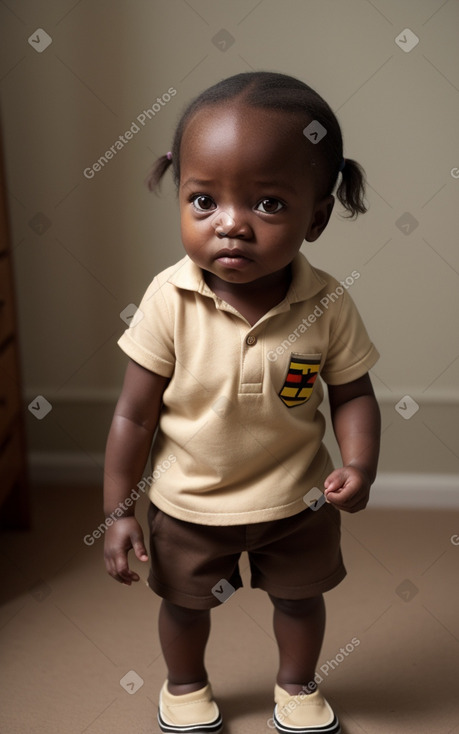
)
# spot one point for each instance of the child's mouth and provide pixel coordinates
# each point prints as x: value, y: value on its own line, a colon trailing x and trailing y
x: 232, y: 258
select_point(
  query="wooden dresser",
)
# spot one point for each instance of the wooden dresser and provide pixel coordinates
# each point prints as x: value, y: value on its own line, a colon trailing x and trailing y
x: 14, y: 505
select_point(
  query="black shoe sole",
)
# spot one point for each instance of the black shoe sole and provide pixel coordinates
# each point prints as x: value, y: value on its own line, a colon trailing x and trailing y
x: 214, y: 727
x: 333, y: 728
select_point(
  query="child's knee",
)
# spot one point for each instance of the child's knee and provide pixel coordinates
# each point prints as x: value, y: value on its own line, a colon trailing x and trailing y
x: 298, y: 607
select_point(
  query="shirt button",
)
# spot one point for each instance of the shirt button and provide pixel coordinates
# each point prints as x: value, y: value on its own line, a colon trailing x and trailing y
x: 251, y: 340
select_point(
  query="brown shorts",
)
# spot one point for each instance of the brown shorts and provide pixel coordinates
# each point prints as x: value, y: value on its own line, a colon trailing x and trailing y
x: 196, y: 566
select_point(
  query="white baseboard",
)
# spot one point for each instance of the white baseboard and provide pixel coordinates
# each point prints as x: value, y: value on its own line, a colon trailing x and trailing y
x: 414, y: 491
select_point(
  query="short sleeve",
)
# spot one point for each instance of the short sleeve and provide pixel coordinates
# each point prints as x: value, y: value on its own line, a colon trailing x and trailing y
x: 149, y: 340
x: 351, y: 353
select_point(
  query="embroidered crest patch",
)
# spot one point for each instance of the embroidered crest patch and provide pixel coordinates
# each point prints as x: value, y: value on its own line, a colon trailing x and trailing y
x: 299, y: 383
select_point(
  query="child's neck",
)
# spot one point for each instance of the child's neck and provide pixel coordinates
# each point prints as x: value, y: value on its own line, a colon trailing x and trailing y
x: 254, y: 299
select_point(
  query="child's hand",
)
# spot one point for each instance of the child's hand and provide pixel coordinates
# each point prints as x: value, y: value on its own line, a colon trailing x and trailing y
x: 348, y: 488
x: 120, y: 537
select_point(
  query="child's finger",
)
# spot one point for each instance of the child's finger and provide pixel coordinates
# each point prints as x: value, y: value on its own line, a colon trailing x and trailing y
x: 138, y: 545
x: 122, y: 568
x: 339, y: 496
x: 334, y: 481
x: 140, y: 550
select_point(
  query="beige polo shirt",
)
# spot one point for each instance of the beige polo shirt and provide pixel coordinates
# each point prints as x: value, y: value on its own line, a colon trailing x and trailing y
x: 240, y: 413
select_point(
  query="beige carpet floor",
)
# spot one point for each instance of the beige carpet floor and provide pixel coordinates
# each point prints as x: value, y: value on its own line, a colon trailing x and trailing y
x: 80, y: 653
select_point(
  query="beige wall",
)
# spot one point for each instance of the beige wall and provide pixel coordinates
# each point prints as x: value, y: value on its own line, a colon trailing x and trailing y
x: 108, y: 61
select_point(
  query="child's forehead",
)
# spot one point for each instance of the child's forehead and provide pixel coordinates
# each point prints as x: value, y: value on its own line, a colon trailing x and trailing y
x: 228, y: 129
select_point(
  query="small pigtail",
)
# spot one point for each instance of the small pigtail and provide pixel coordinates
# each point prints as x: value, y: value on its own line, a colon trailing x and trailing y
x: 157, y: 172
x: 351, y: 190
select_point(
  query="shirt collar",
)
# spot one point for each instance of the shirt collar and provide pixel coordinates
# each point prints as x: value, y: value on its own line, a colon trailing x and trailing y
x: 306, y: 280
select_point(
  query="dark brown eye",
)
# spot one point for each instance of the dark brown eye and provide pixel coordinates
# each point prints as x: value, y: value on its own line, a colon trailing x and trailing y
x: 203, y: 203
x: 270, y: 206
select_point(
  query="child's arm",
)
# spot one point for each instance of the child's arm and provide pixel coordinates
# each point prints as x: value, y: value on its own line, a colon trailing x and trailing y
x: 357, y: 425
x: 128, y: 446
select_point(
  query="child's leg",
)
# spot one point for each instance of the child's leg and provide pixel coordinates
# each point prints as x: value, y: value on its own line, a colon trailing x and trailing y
x: 299, y: 627
x: 183, y: 634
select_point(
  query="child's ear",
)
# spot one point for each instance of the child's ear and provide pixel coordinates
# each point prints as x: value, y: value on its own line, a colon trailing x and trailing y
x: 320, y: 219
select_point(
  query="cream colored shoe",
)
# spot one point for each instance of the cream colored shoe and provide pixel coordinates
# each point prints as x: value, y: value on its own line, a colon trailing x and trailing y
x: 190, y: 713
x: 303, y: 714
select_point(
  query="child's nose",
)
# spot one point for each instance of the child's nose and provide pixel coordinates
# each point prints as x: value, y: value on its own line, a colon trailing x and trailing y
x: 232, y: 224
x: 223, y: 223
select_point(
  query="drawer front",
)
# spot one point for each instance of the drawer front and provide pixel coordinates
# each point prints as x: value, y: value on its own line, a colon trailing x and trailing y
x: 10, y: 465
x: 10, y: 403
x: 6, y: 300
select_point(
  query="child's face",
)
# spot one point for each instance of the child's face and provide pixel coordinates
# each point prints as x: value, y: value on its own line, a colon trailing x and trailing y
x: 246, y: 174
